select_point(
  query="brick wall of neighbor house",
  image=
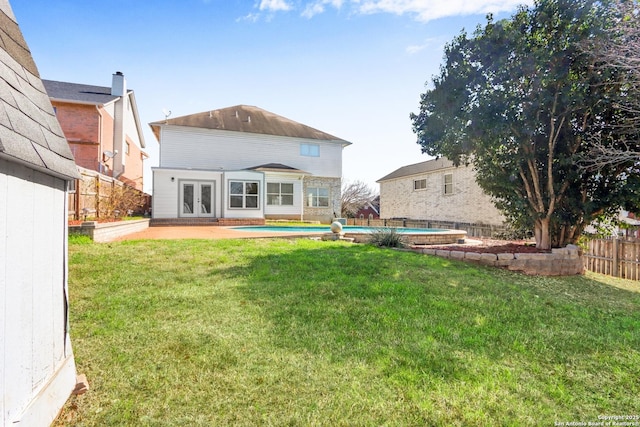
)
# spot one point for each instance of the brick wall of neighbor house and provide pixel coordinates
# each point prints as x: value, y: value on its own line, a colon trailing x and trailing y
x: 80, y: 126
x: 468, y: 203
x: 324, y: 215
x: 133, y: 166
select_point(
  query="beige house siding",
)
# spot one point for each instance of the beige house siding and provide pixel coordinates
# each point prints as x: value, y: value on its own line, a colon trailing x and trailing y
x: 324, y: 215
x: 466, y: 204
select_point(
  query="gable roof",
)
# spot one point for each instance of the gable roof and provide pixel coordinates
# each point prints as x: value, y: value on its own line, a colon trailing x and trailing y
x: 76, y: 92
x: 419, y: 168
x: 250, y: 119
x: 89, y: 94
x: 29, y: 131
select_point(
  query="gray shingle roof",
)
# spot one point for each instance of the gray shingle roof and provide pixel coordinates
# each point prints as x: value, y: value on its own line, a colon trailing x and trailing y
x: 419, y: 168
x: 29, y: 131
x: 76, y: 92
x: 245, y: 118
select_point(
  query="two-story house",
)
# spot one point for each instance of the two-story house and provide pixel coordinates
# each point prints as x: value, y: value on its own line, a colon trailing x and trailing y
x: 102, y: 127
x: 436, y: 190
x: 245, y: 162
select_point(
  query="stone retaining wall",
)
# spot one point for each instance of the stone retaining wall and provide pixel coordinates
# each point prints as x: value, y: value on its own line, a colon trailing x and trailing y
x: 108, y: 231
x: 560, y: 262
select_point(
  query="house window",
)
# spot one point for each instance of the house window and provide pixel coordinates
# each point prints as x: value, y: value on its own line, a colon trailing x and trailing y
x: 448, y: 184
x: 243, y: 195
x: 311, y: 150
x: 318, y: 197
x: 419, y: 184
x: 279, y: 194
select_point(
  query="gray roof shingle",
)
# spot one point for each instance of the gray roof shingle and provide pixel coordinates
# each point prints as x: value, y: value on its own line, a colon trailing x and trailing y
x: 250, y: 119
x: 419, y: 168
x: 29, y: 131
x: 76, y: 92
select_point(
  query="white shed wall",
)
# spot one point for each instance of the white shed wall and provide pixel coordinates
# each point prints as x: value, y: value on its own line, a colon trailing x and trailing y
x: 37, y: 373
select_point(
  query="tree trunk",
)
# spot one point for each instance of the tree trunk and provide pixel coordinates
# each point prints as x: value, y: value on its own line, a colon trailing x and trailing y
x: 542, y: 233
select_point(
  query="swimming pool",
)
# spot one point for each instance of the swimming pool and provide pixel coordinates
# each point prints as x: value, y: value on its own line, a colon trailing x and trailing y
x: 416, y: 236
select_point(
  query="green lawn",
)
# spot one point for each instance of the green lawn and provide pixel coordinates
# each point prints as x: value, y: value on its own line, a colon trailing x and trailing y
x: 302, y: 332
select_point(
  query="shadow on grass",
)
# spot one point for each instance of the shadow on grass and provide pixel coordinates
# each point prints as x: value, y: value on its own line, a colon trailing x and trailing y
x: 412, y: 314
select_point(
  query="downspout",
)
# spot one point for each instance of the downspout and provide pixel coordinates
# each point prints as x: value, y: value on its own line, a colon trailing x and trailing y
x: 100, y: 155
x: 302, y: 198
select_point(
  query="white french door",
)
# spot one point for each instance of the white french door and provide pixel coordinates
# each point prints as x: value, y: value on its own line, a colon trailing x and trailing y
x: 196, y: 199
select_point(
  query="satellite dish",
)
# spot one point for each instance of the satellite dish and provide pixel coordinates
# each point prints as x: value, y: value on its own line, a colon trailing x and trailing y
x: 109, y: 154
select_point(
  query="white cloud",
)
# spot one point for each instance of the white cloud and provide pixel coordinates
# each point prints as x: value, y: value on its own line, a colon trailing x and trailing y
x: 421, y: 10
x: 274, y: 5
x: 319, y: 6
x: 428, y: 43
x: 427, y: 10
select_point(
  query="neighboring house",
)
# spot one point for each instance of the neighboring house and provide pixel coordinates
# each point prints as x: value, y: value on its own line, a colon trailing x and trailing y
x: 245, y: 162
x: 436, y: 190
x: 102, y: 127
x: 37, y: 368
x: 370, y: 211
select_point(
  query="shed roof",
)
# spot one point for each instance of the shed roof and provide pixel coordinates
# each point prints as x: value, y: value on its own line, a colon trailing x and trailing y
x: 29, y: 131
x: 419, y: 168
x: 77, y: 92
x: 250, y: 119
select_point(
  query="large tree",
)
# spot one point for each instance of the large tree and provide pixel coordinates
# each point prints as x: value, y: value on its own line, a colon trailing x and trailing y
x: 517, y: 101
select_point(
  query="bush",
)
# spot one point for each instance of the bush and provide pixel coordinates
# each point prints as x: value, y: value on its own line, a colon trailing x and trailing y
x: 387, y: 237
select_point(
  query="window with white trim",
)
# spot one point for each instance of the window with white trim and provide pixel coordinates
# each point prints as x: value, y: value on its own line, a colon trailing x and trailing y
x: 447, y: 184
x: 279, y: 194
x: 310, y: 150
x: 318, y: 197
x: 419, y: 184
x: 243, y: 194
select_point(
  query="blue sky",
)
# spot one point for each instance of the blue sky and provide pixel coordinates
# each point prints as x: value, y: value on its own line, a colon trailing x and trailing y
x: 352, y: 68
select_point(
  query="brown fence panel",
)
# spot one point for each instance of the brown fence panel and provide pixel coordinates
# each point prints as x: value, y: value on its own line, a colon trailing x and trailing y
x: 91, y: 196
x: 613, y: 257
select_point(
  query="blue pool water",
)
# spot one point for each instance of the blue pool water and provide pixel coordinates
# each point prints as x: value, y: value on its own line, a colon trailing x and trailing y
x: 345, y: 229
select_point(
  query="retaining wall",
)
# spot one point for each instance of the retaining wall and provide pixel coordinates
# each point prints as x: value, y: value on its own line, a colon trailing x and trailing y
x: 560, y: 262
x: 109, y: 231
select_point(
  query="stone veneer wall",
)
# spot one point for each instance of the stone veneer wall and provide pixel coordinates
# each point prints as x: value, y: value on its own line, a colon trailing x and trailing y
x: 324, y: 215
x: 560, y: 262
x: 467, y: 204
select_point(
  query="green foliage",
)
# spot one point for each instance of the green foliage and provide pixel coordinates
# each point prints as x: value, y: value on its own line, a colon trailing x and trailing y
x: 79, y: 239
x: 387, y: 237
x: 517, y: 100
x: 301, y: 332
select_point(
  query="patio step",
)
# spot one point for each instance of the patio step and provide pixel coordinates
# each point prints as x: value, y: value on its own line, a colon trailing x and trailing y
x: 166, y: 222
x: 200, y: 222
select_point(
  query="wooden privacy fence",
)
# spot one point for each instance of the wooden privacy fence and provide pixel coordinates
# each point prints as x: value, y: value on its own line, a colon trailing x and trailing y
x: 613, y: 257
x: 97, y: 196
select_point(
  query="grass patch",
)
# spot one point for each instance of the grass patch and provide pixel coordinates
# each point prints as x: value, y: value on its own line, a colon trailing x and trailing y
x: 301, y: 332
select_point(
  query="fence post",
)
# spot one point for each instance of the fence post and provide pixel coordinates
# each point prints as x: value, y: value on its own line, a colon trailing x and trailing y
x: 614, y: 267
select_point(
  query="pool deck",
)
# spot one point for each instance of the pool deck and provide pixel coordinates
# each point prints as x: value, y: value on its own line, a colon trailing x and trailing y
x: 207, y: 233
